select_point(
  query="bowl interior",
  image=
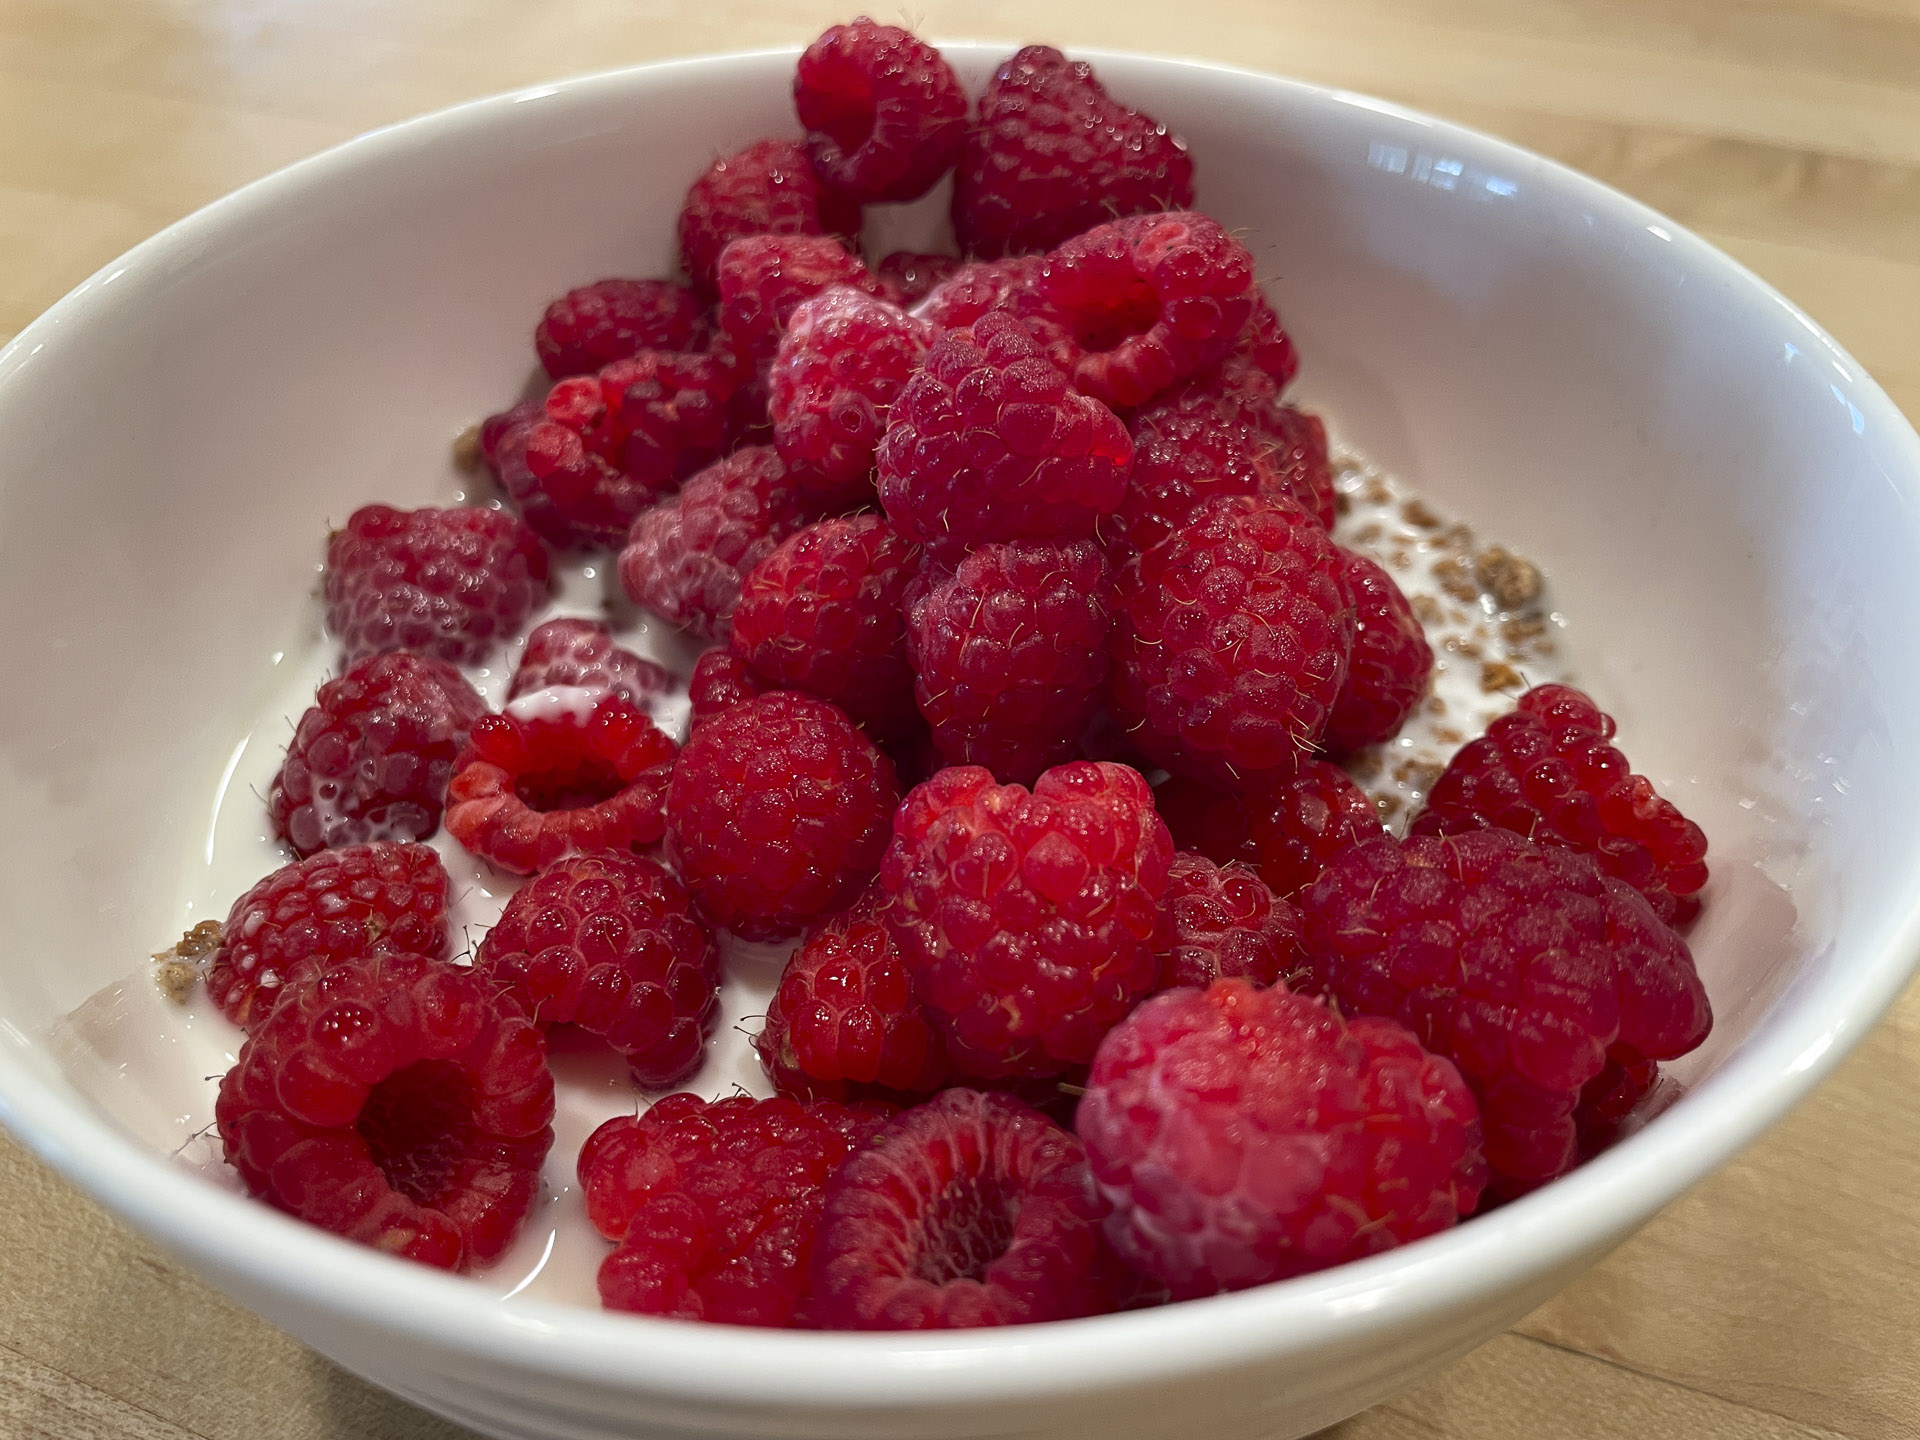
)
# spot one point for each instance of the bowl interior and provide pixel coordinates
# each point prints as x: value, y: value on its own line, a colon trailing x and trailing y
x: 1725, y: 506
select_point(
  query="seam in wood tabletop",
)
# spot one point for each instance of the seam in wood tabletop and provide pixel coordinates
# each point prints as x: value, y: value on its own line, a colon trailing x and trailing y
x: 1780, y: 1298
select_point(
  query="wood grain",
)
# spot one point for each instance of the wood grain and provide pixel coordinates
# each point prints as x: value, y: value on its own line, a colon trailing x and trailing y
x: 1780, y: 1299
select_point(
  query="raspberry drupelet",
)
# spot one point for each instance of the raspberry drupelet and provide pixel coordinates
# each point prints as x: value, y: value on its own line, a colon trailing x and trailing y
x: 1224, y: 922
x: 845, y: 1022
x: 765, y: 278
x: 609, y: 320
x: 654, y: 419
x: 720, y: 681
x: 371, y: 757
x: 1051, y: 154
x: 1286, y: 829
x: 884, y: 113
x: 969, y: 1210
x: 1145, y: 302
x: 1009, y: 653
x: 394, y: 1100
x: 320, y: 911
x: 580, y: 654
x: 611, y: 944
x: 989, y: 443
x: 1523, y: 965
x: 715, y: 1203
x: 1231, y: 640
x: 769, y: 188
x: 1244, y: 1135
x: 843, y: 360
x: 972, y: 289
x: 1031, y: 920
x: 1549, y: 771
x: 685, y: 559
x: 572, y: 496
x: 777, y: 813
x: 450, y: 584
x: 563, y: 772
x: 908, y: 275
x: 1391, y: 664
x: 822, y: 614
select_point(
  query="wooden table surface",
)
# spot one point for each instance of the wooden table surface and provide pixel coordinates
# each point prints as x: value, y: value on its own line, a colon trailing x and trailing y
x: 1782, y: 1298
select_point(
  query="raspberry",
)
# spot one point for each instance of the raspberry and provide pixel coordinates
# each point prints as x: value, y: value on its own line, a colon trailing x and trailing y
x: 323, y: 910
x: 581, y: 655
x: 1052, y: 154
x: 1225, y: 922
x: 907, y: 275
x: 614, y: 319
x: 973, y: 289
x: 571, y: 496
x: 1546, y: 771
x: 1030, y: 921
x: 1263, y: 361
x: 764, y: 279
x: 1145, y: 302
x: 843, y: 360
x: 564, y: 772
x: 822, y: 614
x: 1298, y: 825
x: 1231, y: 640
x: 392, y: 1100
x: 971, y: 1209
x: 715, y: 1204
x: 371, y: 757
x: 1198, y: 441
x: 885, y: 115
x: 721, y: 680
x: 1299, y: 460
x: 845, y: 1022
x: 1520, y: 964
x: 685, y: 559
x: 1611, y: 1097
x: 1391, y: 663
x: 988, y: 443
x: 1244, y: 1135
x: 777, y: 813
x: 446, y: 583
x: 655, y: 418
x: 610, y: 943
x: 769, y: 188
x: 1010, y: 652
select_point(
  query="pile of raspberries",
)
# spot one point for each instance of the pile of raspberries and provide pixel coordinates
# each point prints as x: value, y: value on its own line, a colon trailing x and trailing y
x: 1031, y: 666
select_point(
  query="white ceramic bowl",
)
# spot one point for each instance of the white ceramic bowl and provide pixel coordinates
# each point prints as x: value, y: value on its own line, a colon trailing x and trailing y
x: 1728, y: 508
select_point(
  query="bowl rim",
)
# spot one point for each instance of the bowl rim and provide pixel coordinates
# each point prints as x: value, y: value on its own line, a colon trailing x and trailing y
x: 244, y: 1243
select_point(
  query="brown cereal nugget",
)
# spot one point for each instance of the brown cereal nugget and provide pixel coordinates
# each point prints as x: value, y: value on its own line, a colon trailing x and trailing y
x: 1512, y: 580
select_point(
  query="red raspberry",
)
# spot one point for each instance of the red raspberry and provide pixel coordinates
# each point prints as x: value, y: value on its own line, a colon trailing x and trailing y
x: 842, y: 362
x: 1300, y: 462
x: 1392, y: 662
x: 1522, y: 965
x: 1030, y: 921
x: 656, y: 417
x: 764, y: 279
x: 580, y: 654
x: 1225, y: 922
x: 971, y: 1209
x: 614, y: 319
x: 1010, y: 652
x: 1611, y: 1097
x: 393, y: 1100
x: 611, y: 943
x: 885, y: 114
x: 1145, y: 302
x: 983, y: 285
x: 845, y: 1022
x: 371, y: 757
x: 1231, y: 640
x: 1263, y: 361
x: 1546, y: 771
x: 1052, y: 154
x: 685, y: 559
x: 321, y: 911
x: 777, y: 814
x: 446, y: 583
x: 561, y: 773
x: 907, y: 275
x: 570, y: 495
x: 988, y: 443
x: 1287, y: 828
x: 769, y: 188
x: 721, y: 680
x: 715, y: 1204
x: 1244, y: 1135
x: 822, y: 614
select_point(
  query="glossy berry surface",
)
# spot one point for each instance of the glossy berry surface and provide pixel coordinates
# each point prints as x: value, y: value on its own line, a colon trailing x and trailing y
x: 884, y: 113
x: 581, y: 655
x: 1224, y: 923
x: 1391, y: 664
x: 769, y: 188
x: 594, y: 325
